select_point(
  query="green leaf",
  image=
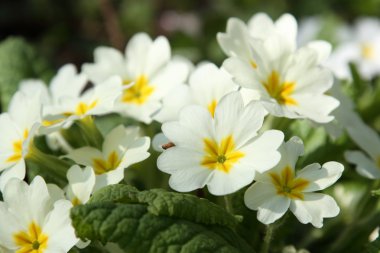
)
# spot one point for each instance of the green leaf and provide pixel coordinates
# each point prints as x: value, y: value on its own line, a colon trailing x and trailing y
x: 160, y: 202
x: 18, y: 60
x: 157, y: 221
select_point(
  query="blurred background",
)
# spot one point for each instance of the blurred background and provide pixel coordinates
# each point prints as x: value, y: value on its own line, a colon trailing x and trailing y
x: 68, y: 31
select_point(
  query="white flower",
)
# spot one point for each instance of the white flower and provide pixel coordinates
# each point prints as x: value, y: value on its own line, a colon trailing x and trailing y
x: 223, y: 152
x: 32, y: 222
x: 363, y: 49
x: 368, y: 163
x: 291, y: 84
x: 17, y: 128
x: 281, y: 188
x: 122, y: 147
x: 147, y: 65
x: 81, y: 184
x: 207, y: 85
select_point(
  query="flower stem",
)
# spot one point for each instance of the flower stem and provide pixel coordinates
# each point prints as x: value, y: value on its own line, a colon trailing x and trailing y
x: 228, y: 204
x: 49, y: 163
x: 90, y: 132
x: 267, y: 238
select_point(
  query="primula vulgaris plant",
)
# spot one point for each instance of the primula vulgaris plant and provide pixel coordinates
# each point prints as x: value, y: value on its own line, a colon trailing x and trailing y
x: 247, y: 157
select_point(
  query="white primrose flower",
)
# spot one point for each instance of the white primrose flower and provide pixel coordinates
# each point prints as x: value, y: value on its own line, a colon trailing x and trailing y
x: 147, y: 66
x: 368, y: 163
x: 363, y: 49
x: 222, y: 152
x: 32, y: 222
x: 17, y: 129
x: 98, y: 100
x: 81, y: 184
x: 122, y: 147
x: 207, y: 85
x: 291, y: 84
x: 282, y: 188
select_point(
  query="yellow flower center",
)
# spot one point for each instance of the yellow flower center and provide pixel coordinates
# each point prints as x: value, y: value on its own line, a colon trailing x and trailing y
x: 17, y: 148
x: 82, y: 108
x: 139, y: 92
x: 281, y: 91
x: 367, y: 51
x: 103, y: 166
x: 220, y: 156
x: 75, y: 201
x: 287, y: 185
x: 31, y: 241
x: 211, y: 107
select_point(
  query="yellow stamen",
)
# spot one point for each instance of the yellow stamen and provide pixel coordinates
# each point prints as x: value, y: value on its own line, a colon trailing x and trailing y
x: 221, y: 157
x: 17, y: 148
x: 281, y: 91
x: 82, y: 108
x: 211, y: 107
x: 287, y: 185
x: 367, y: 51
x: 75, y: 201
x: 139, y: 92
x: 103, y: 166
x: 31, y: 241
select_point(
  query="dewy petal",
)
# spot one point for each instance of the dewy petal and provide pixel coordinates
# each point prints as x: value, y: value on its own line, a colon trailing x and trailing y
x: 313, y: 208
x: 321, y: 177
x: 364, y: 166
x: 58, y: 228
x: 273, y: 209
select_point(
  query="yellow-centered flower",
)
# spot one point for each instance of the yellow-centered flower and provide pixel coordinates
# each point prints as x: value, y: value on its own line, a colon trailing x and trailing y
x: 139, y: 92
x: 31, y: 241
x: 281, y: 91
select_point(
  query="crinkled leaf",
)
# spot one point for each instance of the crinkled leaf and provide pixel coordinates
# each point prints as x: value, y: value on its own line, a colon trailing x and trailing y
x: 156, y: 221
x: 161, y: 202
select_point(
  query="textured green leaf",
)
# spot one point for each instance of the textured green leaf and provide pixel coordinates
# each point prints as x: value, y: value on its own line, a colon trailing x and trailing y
x: 18, y: 60
x: 161, y: 202
x: 156, y: 221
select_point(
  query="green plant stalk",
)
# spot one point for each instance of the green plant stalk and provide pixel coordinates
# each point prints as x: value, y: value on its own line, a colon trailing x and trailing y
x: 228, y: 204
x: 267, y: 238
x: 47, y: 162
x: 90, y: 132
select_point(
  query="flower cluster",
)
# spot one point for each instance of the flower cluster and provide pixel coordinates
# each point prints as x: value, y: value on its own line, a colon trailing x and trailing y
x: 229, y: 127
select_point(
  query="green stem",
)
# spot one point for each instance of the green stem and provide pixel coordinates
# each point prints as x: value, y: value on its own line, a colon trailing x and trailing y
x: 90, y: 132
x: 267, y: 238
x: 52, y: 164
x: 228, y: 204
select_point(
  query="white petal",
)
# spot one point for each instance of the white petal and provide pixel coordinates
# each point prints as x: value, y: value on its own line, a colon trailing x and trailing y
x: 16, y: 171
x: 111, y: 177
x: 178, y: 158
x: 85, y: 155
x: 159, y: 140
x: 9, y: 225
x: 261, y: 154
x: 235, y: 42
x: 273, y: 209
x: 314, y: 208
x: 287, y: 25
x: 190, y: 179
x: 261, y: 25
x: 58, y: 227
x: 321, y: 177
x: 137, y: 52
x: 81, y: 182
x: 316, y: 108
x: 323, y: 48
x: 364, y: 166
x: 257, y: 194
x: 158, y: 55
